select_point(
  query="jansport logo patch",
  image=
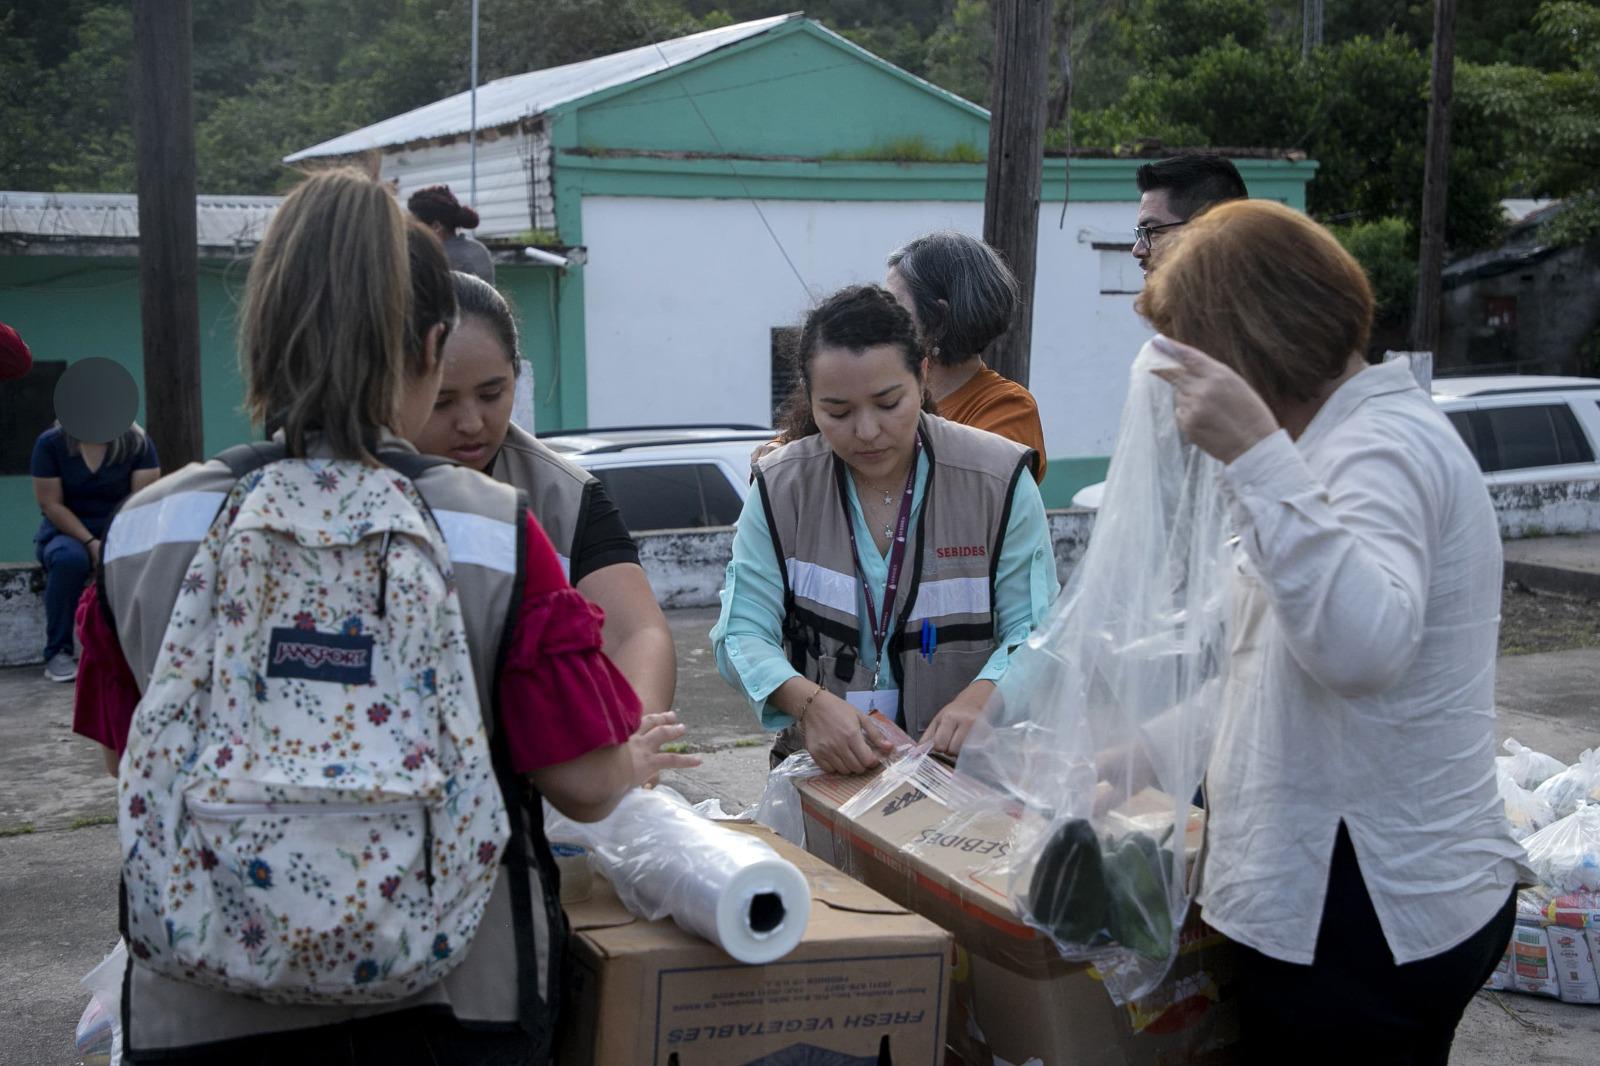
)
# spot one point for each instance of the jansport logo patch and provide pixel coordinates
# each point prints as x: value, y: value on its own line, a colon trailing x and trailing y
x: 340, y: 658
x: 962, y: 551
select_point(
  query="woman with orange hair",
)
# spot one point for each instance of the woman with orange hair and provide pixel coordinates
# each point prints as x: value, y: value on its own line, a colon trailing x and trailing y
x: 1357, y: 848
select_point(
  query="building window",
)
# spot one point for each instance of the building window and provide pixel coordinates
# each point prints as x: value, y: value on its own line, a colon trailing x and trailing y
x: 1524, y: 437
x: 27, y: 409
x: 1500, y: 313
x: 785, y: 341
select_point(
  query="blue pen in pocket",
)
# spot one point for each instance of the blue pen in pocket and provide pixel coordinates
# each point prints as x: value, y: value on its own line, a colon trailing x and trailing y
x: 930, y: 638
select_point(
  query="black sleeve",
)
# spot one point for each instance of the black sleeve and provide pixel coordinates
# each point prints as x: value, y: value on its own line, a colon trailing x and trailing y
x: 604, y: 540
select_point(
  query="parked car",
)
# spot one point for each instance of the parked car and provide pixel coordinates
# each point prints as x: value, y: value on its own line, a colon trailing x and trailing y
x: 668, y: 477
x: 1520, y: 427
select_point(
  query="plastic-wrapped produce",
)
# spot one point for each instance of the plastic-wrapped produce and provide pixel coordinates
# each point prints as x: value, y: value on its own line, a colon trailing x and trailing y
x: 1527, y: 767
x: 1117, y: 694
x: 1565, y: 855
x: 665, y: 860
x: 1526, y: 811
x: 1578, y: 783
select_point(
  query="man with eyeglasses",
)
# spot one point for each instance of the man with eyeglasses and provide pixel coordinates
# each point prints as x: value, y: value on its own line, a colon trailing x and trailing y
x: 1172, y: 191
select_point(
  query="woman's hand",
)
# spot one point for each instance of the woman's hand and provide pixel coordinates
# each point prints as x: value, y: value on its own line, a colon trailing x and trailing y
x: 1217, y: 410
x: 645, y: 746
x: 949, y: 728
x: 93, y: 547
x: 838, y: 738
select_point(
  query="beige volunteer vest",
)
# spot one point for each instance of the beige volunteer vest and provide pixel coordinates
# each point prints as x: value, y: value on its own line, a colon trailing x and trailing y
x: 510, y: 974
x: 558, y: 489
x: 951, y: 556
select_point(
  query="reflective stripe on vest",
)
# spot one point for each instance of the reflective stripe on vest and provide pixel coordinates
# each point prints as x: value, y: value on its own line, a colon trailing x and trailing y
x: 557, y: 488
x: 956, y: 542
x: 148, y: 550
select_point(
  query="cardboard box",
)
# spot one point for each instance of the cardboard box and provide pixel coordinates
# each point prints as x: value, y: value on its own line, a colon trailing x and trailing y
x: 869, y: 983
x: 1070, y: 1021
x: 1026, y: 1000
x: 902, y: 847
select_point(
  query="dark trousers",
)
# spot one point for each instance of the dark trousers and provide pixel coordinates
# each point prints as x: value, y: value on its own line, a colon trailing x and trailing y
x: 66, y: 569
x: 1353, y: 1004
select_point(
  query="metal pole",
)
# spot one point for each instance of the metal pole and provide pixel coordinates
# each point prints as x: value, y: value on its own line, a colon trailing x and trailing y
x: 164, y: 169
x: 1435, y: 182
x: 472, y: 135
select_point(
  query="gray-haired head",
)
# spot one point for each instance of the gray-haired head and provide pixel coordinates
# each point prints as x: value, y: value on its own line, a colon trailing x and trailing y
x: 962, y: 292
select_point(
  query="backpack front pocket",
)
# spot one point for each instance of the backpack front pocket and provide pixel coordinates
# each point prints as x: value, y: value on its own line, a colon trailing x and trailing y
x: 358, y: 928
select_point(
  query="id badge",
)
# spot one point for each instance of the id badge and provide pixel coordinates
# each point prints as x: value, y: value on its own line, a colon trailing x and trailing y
x: 885, y: 701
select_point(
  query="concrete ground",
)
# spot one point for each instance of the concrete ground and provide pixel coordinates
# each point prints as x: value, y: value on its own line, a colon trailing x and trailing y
x: 58, y: 881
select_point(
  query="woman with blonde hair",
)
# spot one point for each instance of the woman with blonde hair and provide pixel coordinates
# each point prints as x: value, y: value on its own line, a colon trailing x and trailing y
x: 1357, y: 848
x: 340, y: 333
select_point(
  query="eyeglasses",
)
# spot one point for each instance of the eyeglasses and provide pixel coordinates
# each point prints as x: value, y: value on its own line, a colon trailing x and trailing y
x: 1146, y: 234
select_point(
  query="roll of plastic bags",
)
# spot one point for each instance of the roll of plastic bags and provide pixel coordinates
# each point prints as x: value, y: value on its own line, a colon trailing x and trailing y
x: 665, y: 860
x: 1526, y: 811
x: 1574, y: 785
x: 1527, y: 767
x: 1565, y: 855
x: 1117, y: 694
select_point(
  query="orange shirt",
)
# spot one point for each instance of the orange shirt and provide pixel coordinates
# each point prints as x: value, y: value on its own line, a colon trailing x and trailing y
x: 999, y: 405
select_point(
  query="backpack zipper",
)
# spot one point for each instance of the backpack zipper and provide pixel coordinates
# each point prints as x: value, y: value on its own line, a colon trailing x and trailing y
x: 223, y: 809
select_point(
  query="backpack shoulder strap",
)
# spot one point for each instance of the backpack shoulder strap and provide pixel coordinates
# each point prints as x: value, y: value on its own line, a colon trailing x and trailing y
x: 245, y: 458
x: 410, y: 465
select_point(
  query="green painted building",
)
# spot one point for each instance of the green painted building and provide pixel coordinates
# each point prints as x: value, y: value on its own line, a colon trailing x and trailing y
x: 703, y: 192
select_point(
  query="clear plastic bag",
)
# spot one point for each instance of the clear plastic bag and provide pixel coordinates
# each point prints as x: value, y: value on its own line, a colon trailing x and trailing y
x: 1565, y: 855
x: 99, y: 1033
x: 1102, y: 727
x: 664, y: 860
x: 1526, y: 811
x: 1528, y: 768
x: 779, y: 806
x: 1576, y: 784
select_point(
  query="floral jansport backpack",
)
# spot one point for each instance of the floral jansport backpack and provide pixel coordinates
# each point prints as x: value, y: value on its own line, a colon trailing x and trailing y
x: 309, y: 813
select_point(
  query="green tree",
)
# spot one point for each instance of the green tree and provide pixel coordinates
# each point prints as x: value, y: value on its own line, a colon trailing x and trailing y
x: 1552, y: 118
x: 1384, y: 248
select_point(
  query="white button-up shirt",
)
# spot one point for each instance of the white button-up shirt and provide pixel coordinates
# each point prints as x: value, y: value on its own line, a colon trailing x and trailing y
x: 1360, y: 685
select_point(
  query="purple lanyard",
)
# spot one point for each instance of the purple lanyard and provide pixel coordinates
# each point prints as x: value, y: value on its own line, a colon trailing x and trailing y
x: 897, y: 556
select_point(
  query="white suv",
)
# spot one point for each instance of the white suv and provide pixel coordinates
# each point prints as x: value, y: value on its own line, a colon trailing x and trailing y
x: 668, y: 477
x: 1525, y: 428
x: 1520, y: 427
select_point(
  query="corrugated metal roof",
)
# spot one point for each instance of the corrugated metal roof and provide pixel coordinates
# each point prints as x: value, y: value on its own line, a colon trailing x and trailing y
x: 507, y: 100
x: 222, y: 221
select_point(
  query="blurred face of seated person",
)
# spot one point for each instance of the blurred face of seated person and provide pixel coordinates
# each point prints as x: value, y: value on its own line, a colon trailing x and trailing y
x: 468, y: 420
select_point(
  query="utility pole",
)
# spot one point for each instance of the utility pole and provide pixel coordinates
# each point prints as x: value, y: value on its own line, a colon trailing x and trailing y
x: 1435, y: 180
x: 169, y: 307
x: 1018, y: 88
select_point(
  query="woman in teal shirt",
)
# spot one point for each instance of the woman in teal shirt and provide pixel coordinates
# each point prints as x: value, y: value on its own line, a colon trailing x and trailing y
x: 804, y: 625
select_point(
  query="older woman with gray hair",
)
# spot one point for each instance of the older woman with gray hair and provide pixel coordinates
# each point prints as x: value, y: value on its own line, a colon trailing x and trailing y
x: 962, y: 296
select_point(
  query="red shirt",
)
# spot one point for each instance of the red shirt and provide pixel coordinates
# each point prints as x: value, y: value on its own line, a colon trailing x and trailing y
x: 560, y: 697
x: 15, y: 359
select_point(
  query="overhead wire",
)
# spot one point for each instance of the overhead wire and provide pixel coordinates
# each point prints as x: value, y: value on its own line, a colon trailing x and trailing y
x: 732, y: 167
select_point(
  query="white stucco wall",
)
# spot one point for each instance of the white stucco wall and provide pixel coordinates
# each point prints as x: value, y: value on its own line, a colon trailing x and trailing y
x: 681, y: 297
